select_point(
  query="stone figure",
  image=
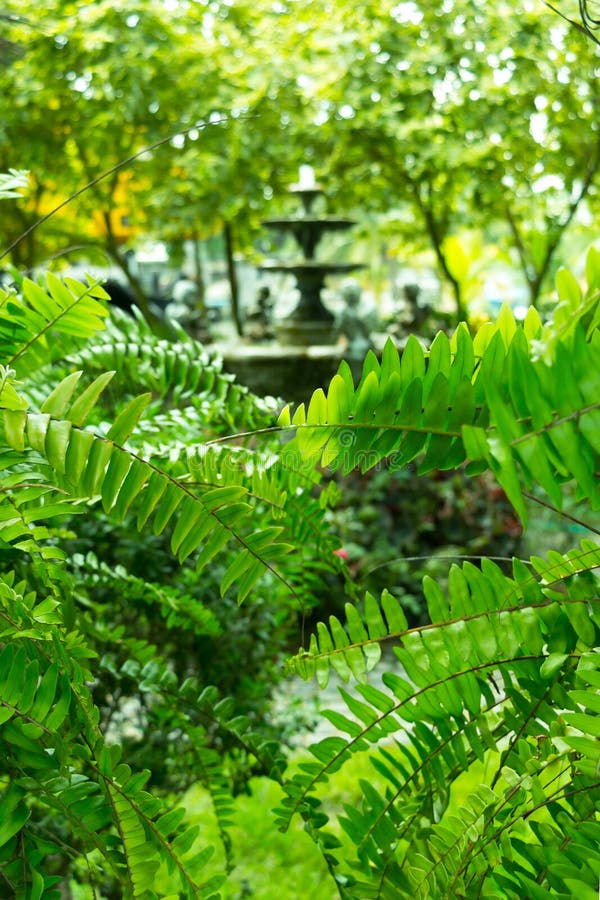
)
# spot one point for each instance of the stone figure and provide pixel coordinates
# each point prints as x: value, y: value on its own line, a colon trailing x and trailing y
x: 259, y: 320
x: 418, y: 312
x: 120, y: 295
x: 184, y: 307
x: 185, y: 290
x: 355, y: 322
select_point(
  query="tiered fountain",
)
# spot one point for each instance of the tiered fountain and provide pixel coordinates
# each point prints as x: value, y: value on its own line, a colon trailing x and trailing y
x: 306, y: 352
x: 311, y: 322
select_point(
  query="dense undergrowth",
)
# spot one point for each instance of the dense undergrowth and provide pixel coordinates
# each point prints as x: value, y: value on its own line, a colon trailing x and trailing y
x: 109, y: 651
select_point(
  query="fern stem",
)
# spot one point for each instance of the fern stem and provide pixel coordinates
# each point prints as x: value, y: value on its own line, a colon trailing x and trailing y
x: 212, y: 512
x: 444, y: 558
x: 269, y: 429
x: 517, y: 735
x: 50, y: 323
x: 555, y: 423
x: 561, y: 512
x: 431, y: 626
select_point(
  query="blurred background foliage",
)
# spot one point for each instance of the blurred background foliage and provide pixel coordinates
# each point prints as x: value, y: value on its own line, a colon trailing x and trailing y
x: 459, y: 134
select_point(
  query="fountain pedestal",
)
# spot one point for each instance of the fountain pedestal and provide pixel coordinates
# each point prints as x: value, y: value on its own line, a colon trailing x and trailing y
x: 310, y: 322
x: 288, y: 372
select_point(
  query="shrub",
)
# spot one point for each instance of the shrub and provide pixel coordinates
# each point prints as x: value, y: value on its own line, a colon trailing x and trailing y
x: 502, y: 679
x: 108, y: 658
x: 505, y: 670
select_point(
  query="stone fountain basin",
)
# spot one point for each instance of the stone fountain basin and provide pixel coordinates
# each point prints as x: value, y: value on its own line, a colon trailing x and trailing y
x: 309, y: 266
x: 323, y: 223
x: 308, y: 230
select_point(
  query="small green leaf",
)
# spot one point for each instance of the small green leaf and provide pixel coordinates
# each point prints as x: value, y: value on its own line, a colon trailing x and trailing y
x: 57, y: 401
x: 128, y: 418
x: 37, y: 426
x: 436, y: 601
x: 552, y: 664
x: 412, y: 363
x: 13, y: 813
x: 115, y: 475
x: 568, y: 288
x: 284, y: 418
x: 582, y: 623
x: 86, y: 401
x: 396, y: 618
x: 10, y: 399
x: 78, y: 451
x: 590, y: 725
x: 317, y: 409
x: 57, y: 443
x: 15, y: 423
x: 237, y: 568
x: 475, y: 441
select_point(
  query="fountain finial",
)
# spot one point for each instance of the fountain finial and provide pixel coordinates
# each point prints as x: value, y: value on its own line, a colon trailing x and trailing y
x: 306, y: 188
x: 306, y: 177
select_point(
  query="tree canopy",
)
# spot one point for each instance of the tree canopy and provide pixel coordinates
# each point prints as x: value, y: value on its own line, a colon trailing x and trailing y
x: 443, y: 114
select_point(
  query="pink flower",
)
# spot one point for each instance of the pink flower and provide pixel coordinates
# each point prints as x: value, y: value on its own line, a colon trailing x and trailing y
x: 343, y: 554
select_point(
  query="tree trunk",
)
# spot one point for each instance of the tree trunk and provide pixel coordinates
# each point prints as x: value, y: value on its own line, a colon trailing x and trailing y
x: 534, y: 287
x: 232, y: 274
x: 461, y: 312
x: 536, y: 275
x: 436, y: 237
x: 159, y: 326
x: 199, y: 273
x: 23, y: 253
x: 136, y: 286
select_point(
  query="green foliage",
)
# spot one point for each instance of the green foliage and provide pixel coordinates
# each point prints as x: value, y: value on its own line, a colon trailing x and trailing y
x: 98, y: 662
x: 55, y: 756
x: 505, y: 670
x: 495, y: 107
x: 502, y: 678
x: 511, y: 400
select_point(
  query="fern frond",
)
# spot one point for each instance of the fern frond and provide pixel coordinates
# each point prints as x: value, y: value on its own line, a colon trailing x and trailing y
x: 151, y: 836
x: 488, y: 401
x: 33, y: 326
x: 206, y: 499
x: 181, y: 372
x: 39, y: 704
x: 572, y: 308
x: 201, y: 717
x: 489, y: 675
x: 552, y: 802
x: 177, y: 609
x: 479, y: 604
x: 26, y: 505
x: 91, y: 465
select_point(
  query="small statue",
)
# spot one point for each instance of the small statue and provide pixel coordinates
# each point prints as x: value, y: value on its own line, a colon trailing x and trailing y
x: 185, y: 309
x: 355, y: 323
x: 185, y: 290
x: 120, y: 295
x: 260, y: 319
x: 418, y: 312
